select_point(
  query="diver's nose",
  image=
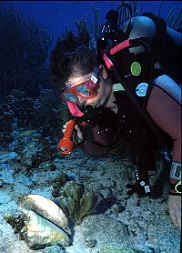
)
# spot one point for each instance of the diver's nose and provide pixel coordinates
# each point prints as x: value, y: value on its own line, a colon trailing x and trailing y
x: 81, y: 100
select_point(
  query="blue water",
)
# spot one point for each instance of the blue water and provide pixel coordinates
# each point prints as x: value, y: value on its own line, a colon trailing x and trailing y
x: 56, y: 16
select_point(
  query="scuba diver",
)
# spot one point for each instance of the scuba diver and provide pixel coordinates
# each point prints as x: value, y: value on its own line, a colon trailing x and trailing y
x: 127, y: 88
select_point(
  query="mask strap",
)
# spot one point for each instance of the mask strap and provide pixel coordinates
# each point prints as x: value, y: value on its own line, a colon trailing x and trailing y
x: 74, y: 110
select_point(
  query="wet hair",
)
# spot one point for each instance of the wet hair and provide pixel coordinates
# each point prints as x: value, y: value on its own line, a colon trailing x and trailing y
x: 70, y: 55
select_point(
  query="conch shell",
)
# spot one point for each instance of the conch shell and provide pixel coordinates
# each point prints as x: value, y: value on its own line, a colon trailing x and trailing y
x: 46, y: 208
x: 38, y: 232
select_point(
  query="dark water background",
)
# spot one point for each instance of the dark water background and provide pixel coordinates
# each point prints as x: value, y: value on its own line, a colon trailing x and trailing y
x: 57, y: 15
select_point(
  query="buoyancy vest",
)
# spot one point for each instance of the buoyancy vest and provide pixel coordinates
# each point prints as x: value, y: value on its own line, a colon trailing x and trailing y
x: 137, y: 69
x: 162, y: 55
x: 158, y: 54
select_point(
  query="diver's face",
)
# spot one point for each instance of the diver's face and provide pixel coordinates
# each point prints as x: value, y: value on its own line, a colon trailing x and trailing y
x: 87, y: 92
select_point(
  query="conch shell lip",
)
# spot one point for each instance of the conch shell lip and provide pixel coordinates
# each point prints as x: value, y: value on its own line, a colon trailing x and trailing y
x: 45, y: 208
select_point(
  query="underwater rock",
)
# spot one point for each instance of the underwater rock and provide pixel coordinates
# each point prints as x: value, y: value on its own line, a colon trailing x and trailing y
x: 115, y: 248
x: 53, y: 249
x: 46, y: 208
x: 6, y: 156
x: 27, y: 134
x: 39, y: 232
x: 47, y: 165
x: 90, y: 243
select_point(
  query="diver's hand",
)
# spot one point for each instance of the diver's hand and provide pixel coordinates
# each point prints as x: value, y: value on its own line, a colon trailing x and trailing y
x: 174, y: 204
x: 77, y: 136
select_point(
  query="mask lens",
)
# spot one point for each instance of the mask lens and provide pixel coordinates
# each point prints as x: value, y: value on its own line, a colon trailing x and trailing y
x: 70, y: 97
x: 84, y: 90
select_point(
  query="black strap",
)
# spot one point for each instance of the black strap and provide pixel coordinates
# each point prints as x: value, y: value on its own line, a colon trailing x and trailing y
x: 173, y: 189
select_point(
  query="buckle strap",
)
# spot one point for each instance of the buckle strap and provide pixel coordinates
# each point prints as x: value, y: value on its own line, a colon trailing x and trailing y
x: 176, y: 188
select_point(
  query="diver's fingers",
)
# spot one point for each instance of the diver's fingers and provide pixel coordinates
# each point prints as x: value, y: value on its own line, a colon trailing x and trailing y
x: 174, y: 204
x: 64, y: 127
x: 79, y: 132
x: 173, y: 217
x: 178, y: 217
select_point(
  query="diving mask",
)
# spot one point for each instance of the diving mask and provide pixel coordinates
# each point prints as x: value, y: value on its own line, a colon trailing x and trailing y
x: 84, y: 90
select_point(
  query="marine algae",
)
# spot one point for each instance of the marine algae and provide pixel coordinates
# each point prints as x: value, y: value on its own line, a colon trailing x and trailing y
x: 77, y: 201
